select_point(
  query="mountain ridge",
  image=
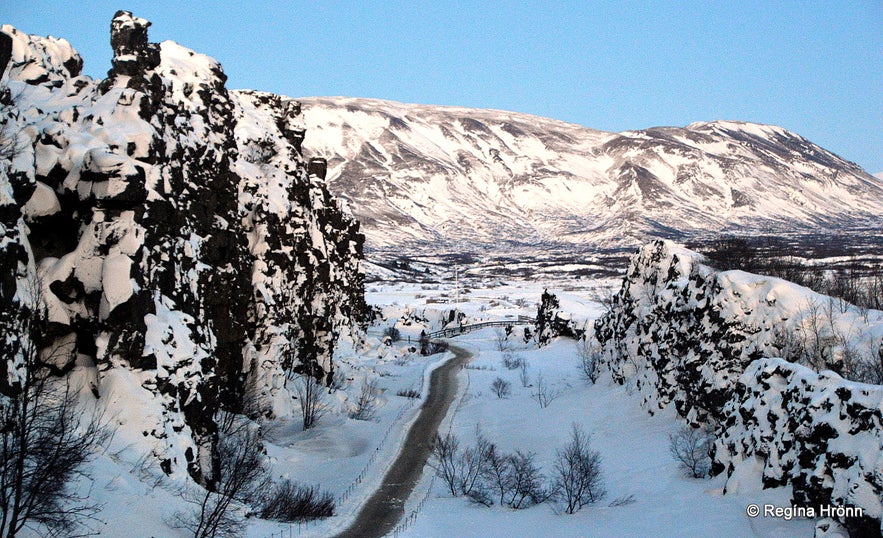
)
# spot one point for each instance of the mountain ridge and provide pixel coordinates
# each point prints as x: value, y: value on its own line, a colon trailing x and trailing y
x: 454, y: 176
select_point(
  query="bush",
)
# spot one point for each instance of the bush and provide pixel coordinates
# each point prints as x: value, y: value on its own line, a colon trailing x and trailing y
x: 543, y: 394
x: 511, y: 361
x: 525, y: 481
x: 288, y: 501
x: 501, y: 387
x: 444, y: 460
x: 578, y: 479
x: 311, y: 395
x: 365, y: 407
x: 691, y: 447
x: 588, y: 353
x: 392, y: 333
x: 242, y: 477
x: 409, y: 393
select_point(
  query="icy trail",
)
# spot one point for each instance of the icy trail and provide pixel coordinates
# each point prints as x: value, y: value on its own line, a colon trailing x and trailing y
x: 385, y: 507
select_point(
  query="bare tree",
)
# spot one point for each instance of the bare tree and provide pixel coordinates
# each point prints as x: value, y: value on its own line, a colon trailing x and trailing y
x: 526, y: 481
x: 242, y: 478
x: 501, y: 387
x: 10, y: 146
x: 543, y: 394
x: 289, y: 501
x: 522, y: 373
x: 691, y: 446
x: 472, y: 464
x: 498, y: 472
x: 578, y: 478
x: 445, y: 456
x: 46, y: 444
x: 365, y: 407
x: 501, y: 340
x: 311, y: 395
x: 511, y: 360
x: 588, y: 354
x: 46, y: 441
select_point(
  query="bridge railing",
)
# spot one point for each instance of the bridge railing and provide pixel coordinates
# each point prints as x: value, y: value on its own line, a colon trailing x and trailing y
x: 450, y: 332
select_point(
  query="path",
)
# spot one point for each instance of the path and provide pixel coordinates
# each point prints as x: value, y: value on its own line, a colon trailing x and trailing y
x: 383, y: 510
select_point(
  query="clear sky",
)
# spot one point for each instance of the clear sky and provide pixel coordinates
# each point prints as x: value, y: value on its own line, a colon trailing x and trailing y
x: 815, y: 68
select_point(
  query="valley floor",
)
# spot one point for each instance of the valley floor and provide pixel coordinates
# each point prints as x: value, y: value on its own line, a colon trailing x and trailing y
x: 634, y: 445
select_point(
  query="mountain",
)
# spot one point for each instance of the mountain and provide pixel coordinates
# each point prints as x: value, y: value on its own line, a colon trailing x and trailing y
x: 164, y: 239
x: 473, y: 179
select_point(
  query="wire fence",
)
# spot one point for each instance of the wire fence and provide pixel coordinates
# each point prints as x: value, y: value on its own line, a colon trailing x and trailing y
x: 412, y: 515
x: 293, y: 530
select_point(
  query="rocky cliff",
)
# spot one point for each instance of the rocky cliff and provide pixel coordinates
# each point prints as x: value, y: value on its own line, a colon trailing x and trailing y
x: 683, y: 333
x: 172, y: 233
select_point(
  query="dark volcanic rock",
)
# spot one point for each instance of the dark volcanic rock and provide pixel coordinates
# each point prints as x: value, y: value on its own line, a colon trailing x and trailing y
x: 174, y: 234
x: 684, y: 333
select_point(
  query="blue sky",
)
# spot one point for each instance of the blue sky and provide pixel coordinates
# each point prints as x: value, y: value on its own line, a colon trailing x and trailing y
x: 815, y: 68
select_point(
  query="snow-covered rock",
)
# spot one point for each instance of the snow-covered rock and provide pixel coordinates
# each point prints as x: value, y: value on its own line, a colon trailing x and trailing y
x: 172, y: 229
x: 682, y: 332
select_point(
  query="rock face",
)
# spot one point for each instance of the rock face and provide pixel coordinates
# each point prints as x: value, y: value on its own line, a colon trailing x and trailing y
x: 551, y: 322
x: 449, y: 178
x: 683, y: 333
x: 817, y: 432
x: 173, y: 233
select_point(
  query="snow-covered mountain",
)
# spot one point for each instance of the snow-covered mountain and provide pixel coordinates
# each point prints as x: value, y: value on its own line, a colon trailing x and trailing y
x: 476, y: 178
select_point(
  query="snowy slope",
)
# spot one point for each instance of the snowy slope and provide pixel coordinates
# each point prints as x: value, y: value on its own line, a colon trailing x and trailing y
x: 488, y: 177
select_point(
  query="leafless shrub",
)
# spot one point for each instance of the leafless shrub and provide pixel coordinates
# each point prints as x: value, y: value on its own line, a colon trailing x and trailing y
x: 501, y: 387
x: 241, y: 478
x: 288, y: 501
x: 472, y: 463
x: 365, y: 407
x: 578, y: 480
x: 523, y: 375
x: 501, y: 340
x: 543, y: 394
x: 45, y: 444
x: 511, y: 361
x: 46, y: 439
x: 10, y: 145
x: 622, y: 501
x: 445, y: 460
x: 526, y: 481
x: 479, y: 367
x: 392, y: 333
x: 588, y: 354
x: 691, y: 446
x: 864, y: 369
x: 409, y: 393
x: 311, y: 395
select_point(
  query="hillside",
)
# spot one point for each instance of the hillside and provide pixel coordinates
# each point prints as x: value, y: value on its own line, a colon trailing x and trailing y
x: 482, y: 179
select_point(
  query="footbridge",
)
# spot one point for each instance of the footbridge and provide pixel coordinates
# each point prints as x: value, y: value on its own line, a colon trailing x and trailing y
x: 450, y: 332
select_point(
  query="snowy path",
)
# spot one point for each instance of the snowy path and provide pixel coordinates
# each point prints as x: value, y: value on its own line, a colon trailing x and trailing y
x: 385, y: 507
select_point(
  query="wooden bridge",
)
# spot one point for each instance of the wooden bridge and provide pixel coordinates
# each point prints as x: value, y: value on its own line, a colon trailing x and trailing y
x: 462, y: 329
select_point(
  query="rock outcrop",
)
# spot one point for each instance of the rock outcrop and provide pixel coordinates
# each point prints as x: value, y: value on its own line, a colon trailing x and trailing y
x: 683, y: 333
x: 173, y: 233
